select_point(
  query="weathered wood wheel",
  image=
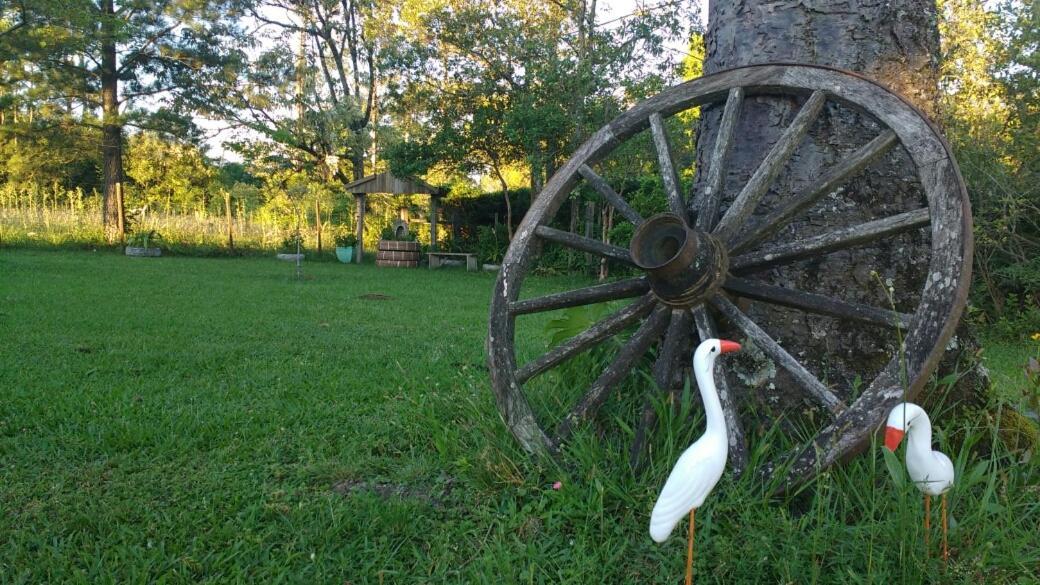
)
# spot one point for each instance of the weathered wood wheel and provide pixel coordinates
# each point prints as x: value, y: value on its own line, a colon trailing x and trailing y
x: 716, y: 252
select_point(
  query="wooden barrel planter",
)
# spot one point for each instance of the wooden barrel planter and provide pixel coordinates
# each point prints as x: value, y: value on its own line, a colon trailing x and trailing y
x: 396, y: 254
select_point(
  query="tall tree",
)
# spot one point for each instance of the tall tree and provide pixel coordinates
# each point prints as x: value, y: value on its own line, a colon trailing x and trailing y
x: 131, y: 61
x: 548, y: 74
x: 894, y: 42
x: 311, y: 86
x: 169, y: 176
x: 1021, y: 75
x: 990, y: 64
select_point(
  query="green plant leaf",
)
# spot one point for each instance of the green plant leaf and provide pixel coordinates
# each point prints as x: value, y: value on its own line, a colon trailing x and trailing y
x: 976, y: 474
x: 895, y: 468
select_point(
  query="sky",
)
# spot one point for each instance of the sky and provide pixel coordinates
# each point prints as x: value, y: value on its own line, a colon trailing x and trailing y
x: 609, y: 13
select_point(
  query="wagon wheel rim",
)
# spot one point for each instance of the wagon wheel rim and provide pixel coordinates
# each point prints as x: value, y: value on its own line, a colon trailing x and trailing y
x: 661, y: 315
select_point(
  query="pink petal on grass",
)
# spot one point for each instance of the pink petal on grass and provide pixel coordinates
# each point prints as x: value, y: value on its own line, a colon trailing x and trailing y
x: 557, y: 485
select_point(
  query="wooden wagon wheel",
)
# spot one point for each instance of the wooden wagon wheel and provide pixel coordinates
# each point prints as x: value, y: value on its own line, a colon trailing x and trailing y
x: 697, y: 265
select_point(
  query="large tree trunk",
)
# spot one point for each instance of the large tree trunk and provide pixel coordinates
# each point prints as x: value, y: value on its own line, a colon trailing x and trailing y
x: 894, y: 42
x: 111, y: 132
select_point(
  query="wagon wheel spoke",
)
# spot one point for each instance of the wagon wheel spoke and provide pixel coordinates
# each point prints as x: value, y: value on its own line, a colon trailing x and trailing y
x: 670, y: 358
x: 815, y: 303
x: 612, y: 291
x: 607, y: 192
x: 738, y: 450
x: 585, y: 340
x: 633, y: 349
x: 664, y: 376
x: 827, y: 183
x: 767, y: 171
x: 663, y: 146
x: 706, y: 203
x: 762, y: 339
x: 584, y: 244
x: 830, y: 242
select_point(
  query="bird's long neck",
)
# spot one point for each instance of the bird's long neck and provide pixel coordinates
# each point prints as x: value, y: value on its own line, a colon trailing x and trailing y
x: 705, y: 374
x: 919, y: 438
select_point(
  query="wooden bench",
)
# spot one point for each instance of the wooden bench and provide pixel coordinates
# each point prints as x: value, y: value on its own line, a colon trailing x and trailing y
x: 436, y: 259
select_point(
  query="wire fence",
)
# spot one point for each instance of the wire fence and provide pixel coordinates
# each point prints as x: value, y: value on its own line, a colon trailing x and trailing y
x: 58, y: 225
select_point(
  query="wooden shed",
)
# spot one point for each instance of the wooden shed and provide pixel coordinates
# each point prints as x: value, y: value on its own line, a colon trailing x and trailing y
x: 387, y: 183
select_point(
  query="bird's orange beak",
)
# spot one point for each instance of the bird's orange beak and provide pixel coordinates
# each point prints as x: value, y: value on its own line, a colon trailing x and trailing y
x: 729, y: 346
x: 893, y: 437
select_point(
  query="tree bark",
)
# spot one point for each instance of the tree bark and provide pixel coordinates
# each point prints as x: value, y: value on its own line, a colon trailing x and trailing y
x: 590, y: 222
x: 317, y: 223
x: 537, y: 174
x: 111, y: 131
x: 359, y: 199
x: 227, y: 212
x: 357, y: 161
x: 573, y: 228
x: 894, y: 42
x: 509, y: 204
x: 607, y: 222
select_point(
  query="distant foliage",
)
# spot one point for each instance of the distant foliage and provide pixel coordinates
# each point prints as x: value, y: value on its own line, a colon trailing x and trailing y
x: 491, y: 243
x: 475, y: 209
x: 144, y: 239
x: 991, y: 111
x: 345, y: 240
x: 292, y: 242
x: 171, y: 177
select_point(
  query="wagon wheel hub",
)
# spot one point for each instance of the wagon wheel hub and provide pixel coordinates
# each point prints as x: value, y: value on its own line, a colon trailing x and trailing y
x: 685, y: 266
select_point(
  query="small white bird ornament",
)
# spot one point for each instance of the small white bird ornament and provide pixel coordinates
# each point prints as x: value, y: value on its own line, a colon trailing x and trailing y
x: 931, y: 471
x: 701, y: 465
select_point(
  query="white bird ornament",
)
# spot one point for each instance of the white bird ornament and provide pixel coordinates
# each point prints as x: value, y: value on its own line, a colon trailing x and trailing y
x: 931, y: 471
x: 701, y: 465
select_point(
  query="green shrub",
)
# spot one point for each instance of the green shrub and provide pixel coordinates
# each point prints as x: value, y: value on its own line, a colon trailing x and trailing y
x: 491, y: 244
x: 389, y: 235
x: 292, y: 242
x: 346, y: 240
x: 144, y: 239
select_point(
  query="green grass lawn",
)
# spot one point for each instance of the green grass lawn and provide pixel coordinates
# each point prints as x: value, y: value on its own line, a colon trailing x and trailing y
x: 194, y: 420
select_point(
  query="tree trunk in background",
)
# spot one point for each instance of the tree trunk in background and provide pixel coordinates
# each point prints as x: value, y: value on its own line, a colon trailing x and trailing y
x: 359, y: 199
x: 590, y: 223
x: 317, y: 223
x: 111, y: 132
x: 357, y: 160
x: 607, y: 224
x: 895, y: 42
x: 537, y: 176
x: 509, y: 205
x: 573, y: 227
x: 227, y: 211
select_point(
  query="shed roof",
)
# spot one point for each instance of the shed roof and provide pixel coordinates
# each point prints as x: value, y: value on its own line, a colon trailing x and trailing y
x: 386, y: 183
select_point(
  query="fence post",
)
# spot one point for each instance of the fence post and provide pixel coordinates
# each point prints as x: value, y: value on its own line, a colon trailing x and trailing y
x: 227, y: 210
x: 317, y: 222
